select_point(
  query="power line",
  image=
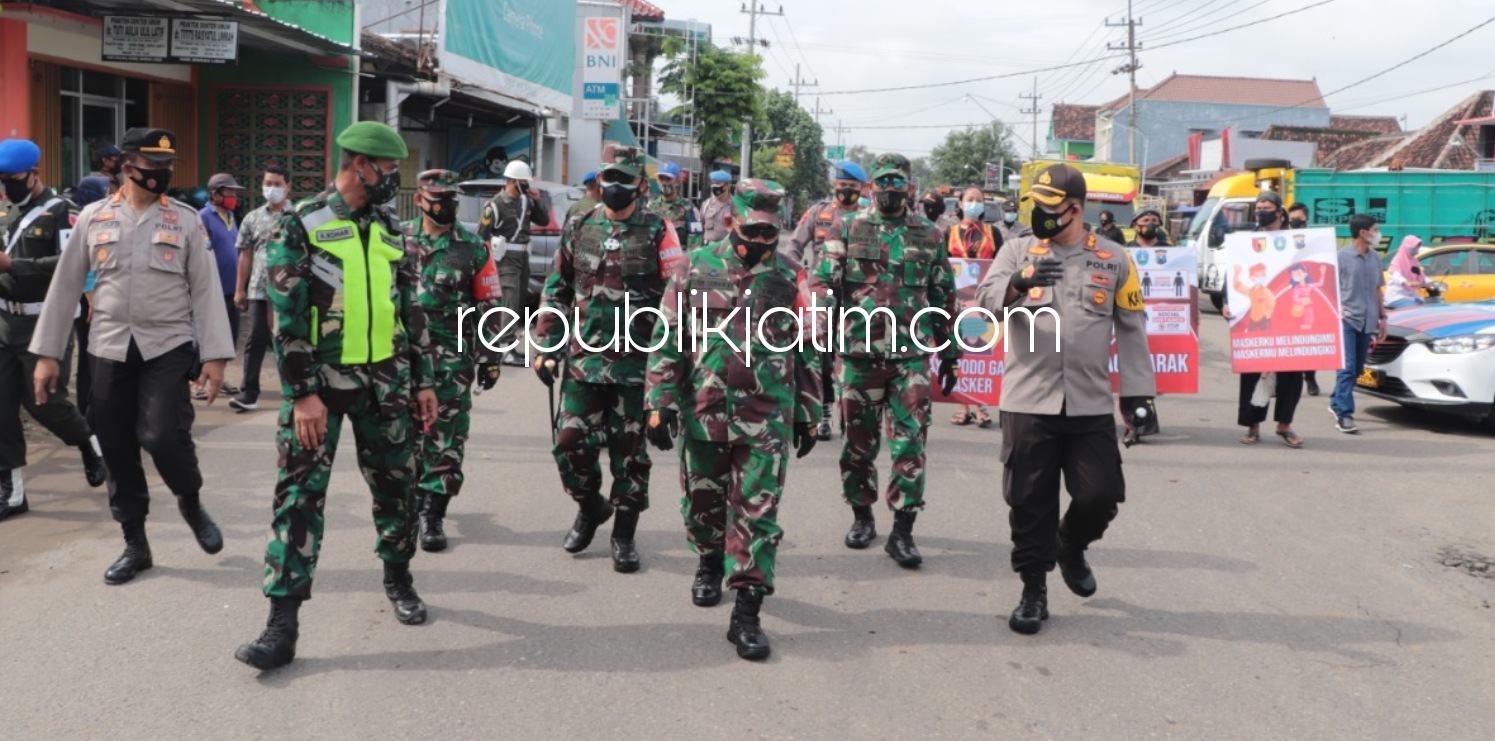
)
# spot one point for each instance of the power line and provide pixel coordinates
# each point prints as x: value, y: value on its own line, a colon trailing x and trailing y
x: 1198, y: 27
x: 1008, y: 75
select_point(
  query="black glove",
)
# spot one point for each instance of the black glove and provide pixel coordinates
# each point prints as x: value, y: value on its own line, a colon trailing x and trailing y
x: 949, y: 375
x: 660, y: 426
x: 545, y: 369
x: 1040, y: 274
x: 1141, y: 416
x: 804, y: 439
x: 487, y: 375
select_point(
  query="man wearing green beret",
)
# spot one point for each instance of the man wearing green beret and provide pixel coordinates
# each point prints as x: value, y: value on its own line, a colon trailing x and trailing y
x: 452, y: 284
x: 351, y: 341
x: 738, y: 400
x: 615, y: 258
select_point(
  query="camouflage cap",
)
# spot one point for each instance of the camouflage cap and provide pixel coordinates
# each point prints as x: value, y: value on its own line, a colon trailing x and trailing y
x: 437, y: 182
x: 373, y: 139
x: 891, y: 164
x: 625, y: 160
x: 758, y: 202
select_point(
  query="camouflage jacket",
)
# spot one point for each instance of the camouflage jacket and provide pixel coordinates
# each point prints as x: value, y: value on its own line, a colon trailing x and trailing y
x: 448, y: 263
x: 604, y: 267
x: 719, y: 362
x: 685, y: 218
x: 883, y: 272
x: 307, y: 291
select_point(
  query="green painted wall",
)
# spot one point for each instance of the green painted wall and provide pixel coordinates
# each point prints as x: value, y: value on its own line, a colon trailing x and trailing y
x: 330, y: 18
x: 279, y: 70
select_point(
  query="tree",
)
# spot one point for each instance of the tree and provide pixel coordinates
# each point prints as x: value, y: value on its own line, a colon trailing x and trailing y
x: 785, y: 120
x: 726, y: 93
x: 961, y: 159
x: 861, y: 155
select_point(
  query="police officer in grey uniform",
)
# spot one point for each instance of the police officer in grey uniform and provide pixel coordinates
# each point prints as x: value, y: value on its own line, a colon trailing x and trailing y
x: 156, y: 287
x: 508, y: 216
x: 36, y: 229
x: 1056, y: 395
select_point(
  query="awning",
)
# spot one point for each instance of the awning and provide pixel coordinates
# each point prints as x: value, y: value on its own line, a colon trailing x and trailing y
x: 1481, y: 121
x: 1110, y: 188
x: 257, y: 30
x: 618, y: 130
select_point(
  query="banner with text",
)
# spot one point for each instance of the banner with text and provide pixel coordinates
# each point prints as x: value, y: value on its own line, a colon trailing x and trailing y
x: 602, y: 68
x: 1283, y: 291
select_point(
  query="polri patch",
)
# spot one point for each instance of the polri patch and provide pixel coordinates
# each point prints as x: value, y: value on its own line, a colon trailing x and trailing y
x: 1104, y: 254
x: 1038, y: 250
x: 169, y: 215
x: 1100, y: 279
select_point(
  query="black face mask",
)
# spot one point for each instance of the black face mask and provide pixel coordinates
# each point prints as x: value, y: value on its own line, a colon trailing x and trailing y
x: 1047, y: 225
x: 115, y: 168
x: 848, y: 196
x: 1147, y: 231
x: 717, y: 190
x: 443, y: 211
x: 384, y: 189
x: 18, y: 192
x: 752, y: 253
x: 890, y: 202
x: 1265, y: 219
x: 617, y: 196
x: 156, y: 180
x: 1297, y: 223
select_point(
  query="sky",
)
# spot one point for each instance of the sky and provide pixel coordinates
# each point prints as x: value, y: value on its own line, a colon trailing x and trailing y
x: 853, y: 45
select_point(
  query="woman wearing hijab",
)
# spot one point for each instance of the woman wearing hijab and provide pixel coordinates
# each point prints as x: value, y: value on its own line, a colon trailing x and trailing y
x: 1405, y: 276
x: 974, y: 239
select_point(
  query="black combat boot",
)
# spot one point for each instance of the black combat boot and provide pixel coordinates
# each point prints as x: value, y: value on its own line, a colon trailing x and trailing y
x: 207, y: 533
x: 707, y: 589
x: 137, y: 555
x: 12, y: 493
x: 901, y: 541
x: 589, y: 517
x: 745, y: 632
x: 1075, y: 570
x: 399, y: 587
x: 432, y: 536
x: 1033, y: 609
x: 625, y: 551
x: 863, y: 528
x: 276, y: 646
x: 94, y: 469
x: 823, y: 431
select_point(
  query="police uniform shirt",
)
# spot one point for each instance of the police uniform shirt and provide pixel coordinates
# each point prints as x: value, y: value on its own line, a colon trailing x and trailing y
x: 1098, y: 293
x: 714, y: 215
x: 155, y: 280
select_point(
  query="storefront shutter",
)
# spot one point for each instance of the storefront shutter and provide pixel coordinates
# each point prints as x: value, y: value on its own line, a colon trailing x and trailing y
x: 46, y: 118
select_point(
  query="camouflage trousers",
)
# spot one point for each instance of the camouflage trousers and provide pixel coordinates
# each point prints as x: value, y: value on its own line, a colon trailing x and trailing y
x: 899, y: 387
x: 593, y: 415
x: 731, y: 506
x: 439, y: 466
x: 376, y: 399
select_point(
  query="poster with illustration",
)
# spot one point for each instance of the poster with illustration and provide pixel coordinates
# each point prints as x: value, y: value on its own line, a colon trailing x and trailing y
x: 980, y: 372
x: 1283, y: 298
x: 1170, y: 297
x: 483, y: 153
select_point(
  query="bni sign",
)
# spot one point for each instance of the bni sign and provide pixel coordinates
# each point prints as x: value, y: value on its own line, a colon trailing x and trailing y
x: 601, y: 69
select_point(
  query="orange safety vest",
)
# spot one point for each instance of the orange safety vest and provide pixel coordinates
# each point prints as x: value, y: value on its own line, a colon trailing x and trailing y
x: 986, y: 249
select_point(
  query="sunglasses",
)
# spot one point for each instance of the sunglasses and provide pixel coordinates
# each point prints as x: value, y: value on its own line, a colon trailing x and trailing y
x: 617, y: 178
x: 892, y: 181
x: 760, y: 232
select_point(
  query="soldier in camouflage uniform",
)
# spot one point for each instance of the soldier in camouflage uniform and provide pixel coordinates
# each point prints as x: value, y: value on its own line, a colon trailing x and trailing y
x: 612, y: 262
x: 889, y: 260
x: 739, y: 398
x: 450, y: 259
x: 680, y: 211
x: 351, y: 341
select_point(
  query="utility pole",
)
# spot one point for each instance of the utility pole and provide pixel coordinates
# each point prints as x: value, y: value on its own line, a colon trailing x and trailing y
x: 753, y: 11
x: 818, y: 111
x: 1034, y: 110
x: 1130, y: 68
x: 799, y: 82
x: 840, y: 133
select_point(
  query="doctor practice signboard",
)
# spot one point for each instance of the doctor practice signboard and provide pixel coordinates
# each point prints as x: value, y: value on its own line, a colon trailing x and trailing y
x: 170, y: 40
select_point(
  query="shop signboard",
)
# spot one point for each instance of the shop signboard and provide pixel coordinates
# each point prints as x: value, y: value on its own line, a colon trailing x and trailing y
x: 169, y: 40
x: 523, y: 48
x: 601, y: 57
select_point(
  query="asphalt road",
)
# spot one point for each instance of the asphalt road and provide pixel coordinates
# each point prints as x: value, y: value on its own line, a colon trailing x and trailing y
x: 1247, y: 593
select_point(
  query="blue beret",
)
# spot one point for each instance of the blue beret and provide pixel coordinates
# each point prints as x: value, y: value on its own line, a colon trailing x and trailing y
x: 18, y: 155
x: 670, y: 169
x: 848, y: 170
x: 721, y: 176
x: 590, y: 177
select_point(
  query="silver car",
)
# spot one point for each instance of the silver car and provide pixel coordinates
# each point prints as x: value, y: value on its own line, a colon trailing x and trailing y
x: 556, y: 198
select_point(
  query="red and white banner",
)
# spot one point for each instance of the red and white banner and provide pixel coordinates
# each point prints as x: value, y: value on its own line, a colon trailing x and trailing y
x: 1283, y: 290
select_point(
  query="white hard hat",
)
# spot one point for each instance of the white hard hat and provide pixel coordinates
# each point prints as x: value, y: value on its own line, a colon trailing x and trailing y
x: 518, y: 170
